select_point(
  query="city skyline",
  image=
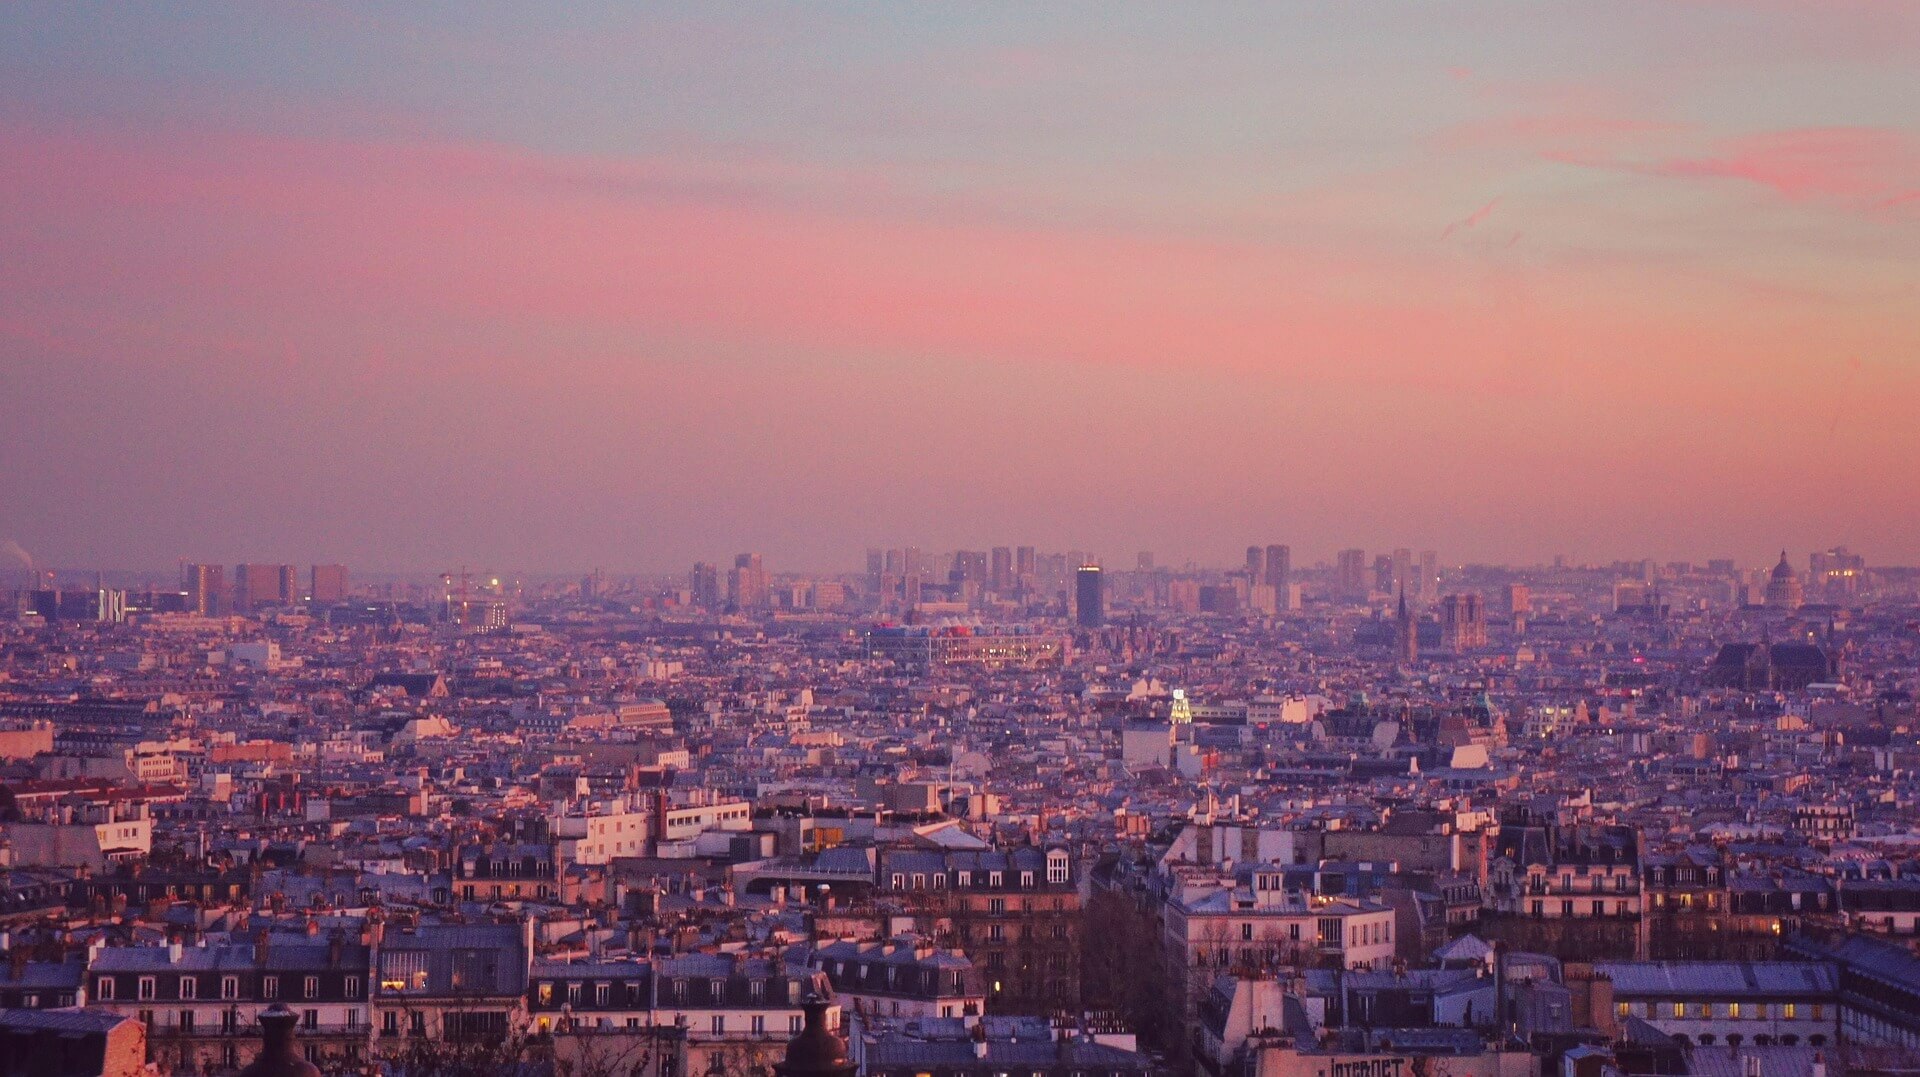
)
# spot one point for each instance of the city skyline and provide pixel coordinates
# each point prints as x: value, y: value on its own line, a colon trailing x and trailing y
x: 401, y: 288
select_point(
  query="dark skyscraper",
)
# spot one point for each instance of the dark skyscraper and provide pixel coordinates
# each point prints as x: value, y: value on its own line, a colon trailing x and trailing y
x: 206, y: 588
x: 327, y: 584
x: 1002, y: 580
x: 1089, y: 610
x: 255, y: 586
x: 1279, y: 569
x: 1350, y: 577
x: 704, y: 582
x: 1023, y: 561
x: 1256, y: 564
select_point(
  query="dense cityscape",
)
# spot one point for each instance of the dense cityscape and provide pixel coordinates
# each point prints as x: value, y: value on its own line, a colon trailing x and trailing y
x: 999, y: 811
x: 994, y: 538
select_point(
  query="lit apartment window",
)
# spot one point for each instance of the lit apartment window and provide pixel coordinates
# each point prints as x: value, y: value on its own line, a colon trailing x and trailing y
x: 1789, y: 1010
x: 1733, y: 1010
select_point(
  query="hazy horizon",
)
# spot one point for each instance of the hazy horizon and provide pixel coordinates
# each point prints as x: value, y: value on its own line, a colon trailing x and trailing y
x: 588, y: 287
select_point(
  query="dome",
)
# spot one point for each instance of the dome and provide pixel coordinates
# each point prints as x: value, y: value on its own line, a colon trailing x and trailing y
x: 1783, y: 571
x: 277, y: 1057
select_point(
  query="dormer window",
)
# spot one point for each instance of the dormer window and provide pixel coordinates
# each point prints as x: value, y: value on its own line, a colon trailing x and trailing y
x: 995, y: 879
x: 1026, y: 880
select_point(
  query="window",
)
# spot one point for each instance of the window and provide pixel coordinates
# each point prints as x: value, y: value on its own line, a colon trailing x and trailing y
x: 186, y: 1020
x: 389, y: 1023
x: 146, y: 987
x: 1789, y: 1010
x: 189, y: 987
x: 793, y: 1025
x: 1679, y: 1009
x: 310, y: 988
x: 229, y: 1021
x: 1733, y: 1010
x: 103, y: 989
x: 353, y: 1018
x: 269, y: 987
x: 759, y: 1024
x: 719, y: 1024
x: 573, y: 994
x: 1246, y: 932
x: 310, y: 1019
x: 416, y: 1024
x: 229, y: 987
x: 545, y: 993
x: 1026, y: 880
x: 350, y: 987
x: 602, y: 994
x: 1623, y: 1009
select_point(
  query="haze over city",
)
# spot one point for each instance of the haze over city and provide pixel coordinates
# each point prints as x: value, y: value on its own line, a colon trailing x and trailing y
x: 411, y: 286
x: 979, y: 539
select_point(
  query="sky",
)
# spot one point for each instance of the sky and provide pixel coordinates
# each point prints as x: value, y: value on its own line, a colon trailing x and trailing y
x: 550, y: 287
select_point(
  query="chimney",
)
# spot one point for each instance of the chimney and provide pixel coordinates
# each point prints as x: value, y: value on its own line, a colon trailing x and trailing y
x: 1500, y: 988
x: 261, y: 944
x: 336, y: 946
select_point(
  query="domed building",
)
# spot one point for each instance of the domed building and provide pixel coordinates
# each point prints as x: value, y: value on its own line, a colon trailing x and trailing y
x: 1784, y: 590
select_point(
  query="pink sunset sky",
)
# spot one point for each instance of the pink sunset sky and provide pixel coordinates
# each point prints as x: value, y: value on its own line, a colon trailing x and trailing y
x: 555, y: 288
